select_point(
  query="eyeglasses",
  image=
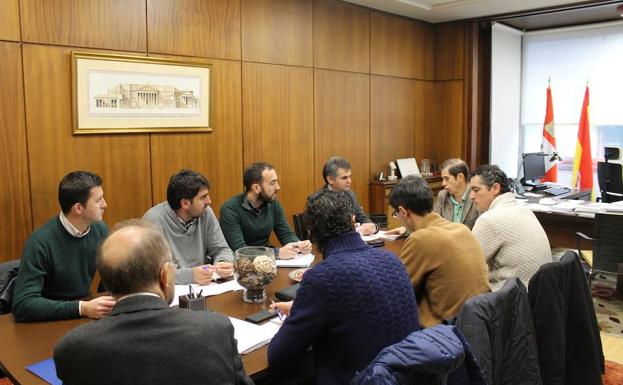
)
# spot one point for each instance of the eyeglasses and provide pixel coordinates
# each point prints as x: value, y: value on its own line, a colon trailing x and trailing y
x: 395, y: 214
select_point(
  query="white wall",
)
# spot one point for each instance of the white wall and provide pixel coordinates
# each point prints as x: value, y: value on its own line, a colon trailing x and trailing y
x: 505, y: 97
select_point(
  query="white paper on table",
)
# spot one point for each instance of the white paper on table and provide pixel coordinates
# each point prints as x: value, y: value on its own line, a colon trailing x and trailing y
x: 539, y: 208
x: 251, y: 337
x: 208, y: 290
x: 380, y: 236
x: 300, y: 260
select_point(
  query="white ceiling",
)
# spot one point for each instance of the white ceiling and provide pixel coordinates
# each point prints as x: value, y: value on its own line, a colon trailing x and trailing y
x: 436, y: 11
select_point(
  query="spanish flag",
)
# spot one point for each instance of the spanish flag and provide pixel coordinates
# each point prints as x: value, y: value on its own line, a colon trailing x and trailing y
x: 548, y: 144
x: 582, y: 176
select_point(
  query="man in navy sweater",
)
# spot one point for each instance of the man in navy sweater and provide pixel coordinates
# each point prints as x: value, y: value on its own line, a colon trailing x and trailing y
x: 350, y: 306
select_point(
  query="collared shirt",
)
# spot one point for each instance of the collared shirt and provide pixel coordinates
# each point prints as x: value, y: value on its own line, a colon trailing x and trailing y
x: 248, y: 205
x: 457, y: 212
x: 188, y: 224
x: 71, y: 229
x: 137, y: 294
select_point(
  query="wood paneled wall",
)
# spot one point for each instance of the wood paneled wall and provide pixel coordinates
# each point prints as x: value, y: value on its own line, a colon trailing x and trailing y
x: 294, y: 82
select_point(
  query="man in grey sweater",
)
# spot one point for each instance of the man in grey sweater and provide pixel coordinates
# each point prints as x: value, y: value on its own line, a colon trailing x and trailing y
x: 192, y: 230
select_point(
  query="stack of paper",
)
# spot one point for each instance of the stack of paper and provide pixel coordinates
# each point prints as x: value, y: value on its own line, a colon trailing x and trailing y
x: 206, y: 290
x: 300, y: 260
x: 251, y: 337
x: 539, y: 208
x: 380, y: 236
x: 566, y: 206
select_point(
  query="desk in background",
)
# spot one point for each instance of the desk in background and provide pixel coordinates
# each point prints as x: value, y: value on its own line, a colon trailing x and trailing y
x: 561, y: 227
x: 379, y: 197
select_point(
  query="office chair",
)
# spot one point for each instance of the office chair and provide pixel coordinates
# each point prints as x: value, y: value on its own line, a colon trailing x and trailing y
x: 607, y: 243
x: 299, y: 227
x: 8, y: 275
x: 610, y: 183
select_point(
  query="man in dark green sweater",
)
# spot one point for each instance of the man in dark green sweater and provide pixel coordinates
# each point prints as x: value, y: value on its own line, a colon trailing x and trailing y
x: 58, y: 262
x: 248, y: 219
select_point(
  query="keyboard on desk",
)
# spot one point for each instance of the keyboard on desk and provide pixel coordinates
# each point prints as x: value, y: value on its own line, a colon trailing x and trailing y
x: 557, y: 190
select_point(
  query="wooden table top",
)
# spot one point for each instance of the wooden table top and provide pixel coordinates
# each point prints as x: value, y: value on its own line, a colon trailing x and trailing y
x: 23, y: 344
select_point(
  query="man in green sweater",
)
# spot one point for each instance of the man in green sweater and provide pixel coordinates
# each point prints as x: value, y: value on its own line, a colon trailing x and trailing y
x: 58, y: 262
x: 248, y: 219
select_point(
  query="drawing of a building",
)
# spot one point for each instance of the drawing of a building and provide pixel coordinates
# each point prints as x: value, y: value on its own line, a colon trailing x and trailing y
x: 146, y: 96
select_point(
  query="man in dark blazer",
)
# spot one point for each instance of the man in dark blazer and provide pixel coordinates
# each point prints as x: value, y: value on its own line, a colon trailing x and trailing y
x: 337, y: 177
x: 143, y: 341
x: 453, y: 202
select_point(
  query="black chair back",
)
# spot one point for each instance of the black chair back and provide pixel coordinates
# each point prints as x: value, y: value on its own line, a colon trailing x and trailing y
x: 8, y: 274
x: 608, y: 242
x: 609, y: 177
x: 299, y: 227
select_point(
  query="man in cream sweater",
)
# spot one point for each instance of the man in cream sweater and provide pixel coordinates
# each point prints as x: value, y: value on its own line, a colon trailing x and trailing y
x: 512, y: 239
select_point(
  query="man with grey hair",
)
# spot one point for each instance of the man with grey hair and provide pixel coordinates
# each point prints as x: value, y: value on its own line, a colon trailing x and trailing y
x: 144, y: 340
x: 453, y: 201
x: 337, y: 177
x: 512, y: 238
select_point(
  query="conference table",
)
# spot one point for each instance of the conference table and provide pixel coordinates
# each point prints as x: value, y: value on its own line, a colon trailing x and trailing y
x: 23, y: 344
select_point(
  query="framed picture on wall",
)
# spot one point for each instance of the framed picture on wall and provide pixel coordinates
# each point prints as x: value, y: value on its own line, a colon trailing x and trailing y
x: 135, y: 94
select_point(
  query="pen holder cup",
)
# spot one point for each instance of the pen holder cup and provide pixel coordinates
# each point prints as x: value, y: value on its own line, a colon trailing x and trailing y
x: 198, y: 304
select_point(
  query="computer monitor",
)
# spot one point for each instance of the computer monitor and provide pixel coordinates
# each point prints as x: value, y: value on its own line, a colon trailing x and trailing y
x: 533, y: 166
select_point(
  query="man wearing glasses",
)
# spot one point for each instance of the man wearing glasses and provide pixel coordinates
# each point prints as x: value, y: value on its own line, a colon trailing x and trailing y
x: 443, y: 259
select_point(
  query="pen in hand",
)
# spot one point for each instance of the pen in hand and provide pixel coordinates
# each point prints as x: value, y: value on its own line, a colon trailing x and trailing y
x: 277, y: 311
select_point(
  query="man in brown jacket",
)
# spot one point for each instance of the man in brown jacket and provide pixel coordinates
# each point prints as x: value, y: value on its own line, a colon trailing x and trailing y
x: 443, y: 259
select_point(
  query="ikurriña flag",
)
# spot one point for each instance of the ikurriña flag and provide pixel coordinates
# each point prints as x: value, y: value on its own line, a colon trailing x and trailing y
x: 548, y: 143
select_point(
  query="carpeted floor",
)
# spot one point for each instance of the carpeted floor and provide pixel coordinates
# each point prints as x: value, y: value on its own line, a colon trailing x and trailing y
x: 608, y: 304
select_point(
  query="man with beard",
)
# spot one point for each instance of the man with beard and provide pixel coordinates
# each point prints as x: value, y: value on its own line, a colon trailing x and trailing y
x: 192, y: 230
x: 247, y: 219
x: 143, y: 340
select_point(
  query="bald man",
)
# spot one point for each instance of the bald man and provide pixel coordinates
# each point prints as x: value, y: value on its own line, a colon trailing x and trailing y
x: 143, y: 340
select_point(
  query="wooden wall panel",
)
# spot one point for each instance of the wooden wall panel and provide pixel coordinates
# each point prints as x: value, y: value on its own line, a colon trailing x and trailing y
x: 392, y: 121
x: 341, y: 36
x: 392, y: 45
x: 277, y: 127
x: 277, y: 31
x: 121, y: 160
x: 9, y: 20
x: 218, y: 154
x: 425, y: 133
x: 342, y: 125
x: 206, y: 28
x: 449, y: 48
x: 424, y: 51
x: 109, y: 24
x: 16, y: 219
x: 449, y: 119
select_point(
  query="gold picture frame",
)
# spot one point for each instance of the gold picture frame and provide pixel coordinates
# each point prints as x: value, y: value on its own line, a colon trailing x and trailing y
x: 137, y: 94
